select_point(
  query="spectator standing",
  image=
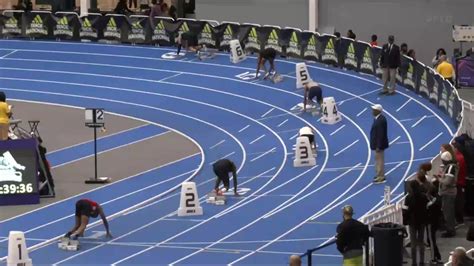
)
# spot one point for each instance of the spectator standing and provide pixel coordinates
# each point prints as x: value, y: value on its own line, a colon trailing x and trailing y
x: 156, y: 8
x: 132, y: 2
x: 351, y: 237
x: 460, y: 184
x: 404, y: 49
x: 433, y: 208
x: 445, y: 69
x: 5, y: 113
x: 411, y: 53
x: 416, y: 204
x: 447, y: 191
x: 389, y: 61
x: 379, y: 142
x: 439, y: 53
x: 351, y: 35
x: 373, y: 42
x: 122, y: 8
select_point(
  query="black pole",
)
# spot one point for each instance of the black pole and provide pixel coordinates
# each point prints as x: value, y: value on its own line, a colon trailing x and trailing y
x: 310, y: 258
x: 95, y: 153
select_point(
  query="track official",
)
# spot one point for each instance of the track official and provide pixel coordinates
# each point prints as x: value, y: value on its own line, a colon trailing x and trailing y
x: 379, y: 142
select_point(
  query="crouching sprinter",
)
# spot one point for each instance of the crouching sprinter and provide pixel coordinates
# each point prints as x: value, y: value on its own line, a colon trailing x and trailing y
x: 84, y: 210
x: 222, y: 168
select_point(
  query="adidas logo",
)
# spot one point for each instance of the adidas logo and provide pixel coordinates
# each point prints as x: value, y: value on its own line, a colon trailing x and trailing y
x: 294, y: 37
x: 37, y: 20
x: 273, y: 41
x: 351, y: 49
x: 311, y: 48
x: 137, y: 25
x: 253, y: 33
x: 330, y: 44
x: 86, y: 23
x: 252, y: 39
x: 207, y: 29
x: 273, y: 35
x: 367, y: 61
x: 62, y: 27
x: 12, y: 21
x: 184, y: 27
x: 312, y: 41
x: 161, y: 25
x: 111, y: 23
x: 228, y: 31
x: 350, y: 56
x: 63, y: 21
x: 329, y: 52
x: 159, y: 33
x: 409, y: 78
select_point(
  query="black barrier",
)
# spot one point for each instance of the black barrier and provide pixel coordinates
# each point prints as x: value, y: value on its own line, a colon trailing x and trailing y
x: 11, y: 24
x: 290, y: 42
x: 90, y: 27
x: 66, y: 26
x: 38, y: 24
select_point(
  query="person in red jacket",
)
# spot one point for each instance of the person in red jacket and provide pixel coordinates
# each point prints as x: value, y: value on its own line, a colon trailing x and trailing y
x: 460, y: 184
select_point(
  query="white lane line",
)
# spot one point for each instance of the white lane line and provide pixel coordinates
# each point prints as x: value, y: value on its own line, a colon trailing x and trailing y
x: 257, y: 139
x: 350, y: 145
x: 361, y: 112
x: 269, y: 111
x: 418, y: 122
x: 294, y: 136
x: 223, y: 157
x: 337, y: 130
x: 217, y: 144
x: 244, y: 128
x: 263, y: 154
x: 401, y: 107
x: 431, y: 141
x: 282, y: 123
x: 14, y: 51
x: 393, y: 141
x: 170, y: 77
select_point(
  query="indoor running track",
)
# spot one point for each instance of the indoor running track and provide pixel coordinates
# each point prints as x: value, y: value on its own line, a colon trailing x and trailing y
x: 286, y: 210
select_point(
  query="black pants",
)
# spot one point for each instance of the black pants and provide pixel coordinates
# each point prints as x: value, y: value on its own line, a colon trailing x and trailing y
x: 416, y: 242
x: 134, y: 2
x: 460, y: 202
x: 432, y: 228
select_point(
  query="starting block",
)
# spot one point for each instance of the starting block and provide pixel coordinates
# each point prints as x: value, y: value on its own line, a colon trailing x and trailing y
x: 66, y: 243
x: 214, y: 198
x: 331, y: 114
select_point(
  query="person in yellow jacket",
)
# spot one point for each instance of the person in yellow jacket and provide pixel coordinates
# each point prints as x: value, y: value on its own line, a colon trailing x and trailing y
x: 5, y: 113
x: 445, y: 69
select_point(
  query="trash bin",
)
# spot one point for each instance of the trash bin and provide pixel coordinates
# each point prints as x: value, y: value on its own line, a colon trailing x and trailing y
x: 388, y: 244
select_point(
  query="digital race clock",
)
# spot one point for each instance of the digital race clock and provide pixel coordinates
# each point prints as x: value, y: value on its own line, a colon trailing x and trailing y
x: 18, y: 172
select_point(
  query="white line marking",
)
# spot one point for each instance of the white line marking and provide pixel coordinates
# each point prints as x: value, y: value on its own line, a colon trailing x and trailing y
x: 401, y: 107
x: 244, y: 128
x: 223, y: 157
x: 394, y: 168
x: 170, y: 77
x: 347, y: 147
x: 269, y: 111
x: 361, y: 112
x: 257, y: 139
x: 282, y: 123
x: 217, y: 144
x: 263, y: 154
x: 294, y: 136
x: 402, y: 142
x: 337, y: 130
x: 14, y: 51
x: 393, y: 141
x: 431, y: 141
x: 419, y: 121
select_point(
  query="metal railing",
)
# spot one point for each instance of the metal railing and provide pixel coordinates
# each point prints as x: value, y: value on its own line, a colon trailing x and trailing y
x: 309, y: 252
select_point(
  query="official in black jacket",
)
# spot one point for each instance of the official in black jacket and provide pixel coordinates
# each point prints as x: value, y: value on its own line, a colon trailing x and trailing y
x: 379, y: 142
x: 351, y: 237
x: 389, y: 62
x: 222, y: 168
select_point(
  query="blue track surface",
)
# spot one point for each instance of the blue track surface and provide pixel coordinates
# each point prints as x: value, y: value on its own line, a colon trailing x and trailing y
x: 287, y: 209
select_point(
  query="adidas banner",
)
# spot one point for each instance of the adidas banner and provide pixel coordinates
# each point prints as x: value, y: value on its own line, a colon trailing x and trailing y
x: 365, y: 57
x: 90, y: 27
x: 208, y: 36
x: 425, y: 80
x: 139, y: 27
x: 38, y: 24
x: 454, y: 104
x: 436, y: 89
x: 444, y: 94
x: 186, y: 26
x: 376, y: 54
x: 346, y: 53
x: 225, y: 33
x: 250, y: 37
x: 114, y: 27
x: 310, y: 46
x: 160, y: 33
x: 328, y: 51
x: 66, y: 26
x: 290, y: 39
x: 409, y: 74
x: 11, y: 23
x: 271, y: 39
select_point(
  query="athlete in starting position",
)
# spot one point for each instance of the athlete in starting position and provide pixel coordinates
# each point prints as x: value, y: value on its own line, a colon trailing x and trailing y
x: 222, y: 168
x: 312, y: 90
x: 189, y: 40
x: 84, y: 209
x: 269, y: 55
